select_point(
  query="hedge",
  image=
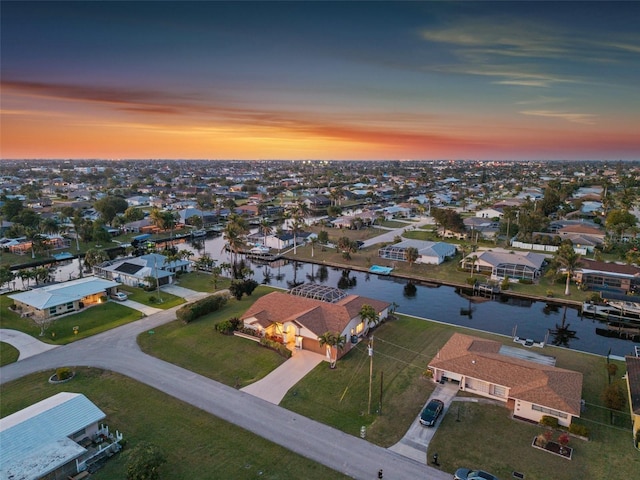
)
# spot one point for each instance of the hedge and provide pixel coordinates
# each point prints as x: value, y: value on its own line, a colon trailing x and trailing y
x: 278, y: 347
x: 191, y: 311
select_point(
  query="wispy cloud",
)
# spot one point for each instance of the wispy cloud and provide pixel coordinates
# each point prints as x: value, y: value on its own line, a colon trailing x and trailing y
x: 582, y: 118
x: 182, y: 112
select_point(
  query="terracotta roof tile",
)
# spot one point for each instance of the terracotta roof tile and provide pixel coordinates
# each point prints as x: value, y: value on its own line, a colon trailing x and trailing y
x: 552, y: 387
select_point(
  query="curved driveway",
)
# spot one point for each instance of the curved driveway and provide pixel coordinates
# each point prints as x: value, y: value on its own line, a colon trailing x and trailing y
x: 118, y: 351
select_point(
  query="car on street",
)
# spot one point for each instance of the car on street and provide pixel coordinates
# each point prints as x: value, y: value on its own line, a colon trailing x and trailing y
x: 468, y: 474
x: 120, y: 296
x: 431, y: 412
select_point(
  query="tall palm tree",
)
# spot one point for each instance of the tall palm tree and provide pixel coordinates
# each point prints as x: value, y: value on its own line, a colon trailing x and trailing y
x: 369, y: 315
x: 265, y: 229
x: 570, y: 260
x: 332, y: 341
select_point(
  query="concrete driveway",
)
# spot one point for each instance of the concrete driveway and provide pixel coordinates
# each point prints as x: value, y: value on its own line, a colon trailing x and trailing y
x: 415, y: 442
x: 141, y: 307
x: 275, y: 386
x: 187, y: 294
x: 26, y: 344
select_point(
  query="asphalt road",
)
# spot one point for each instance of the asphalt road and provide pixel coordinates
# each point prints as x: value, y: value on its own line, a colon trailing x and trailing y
x: 118, y: 351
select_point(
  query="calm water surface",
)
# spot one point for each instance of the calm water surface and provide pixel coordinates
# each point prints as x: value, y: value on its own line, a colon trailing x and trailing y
x: 528, y: 319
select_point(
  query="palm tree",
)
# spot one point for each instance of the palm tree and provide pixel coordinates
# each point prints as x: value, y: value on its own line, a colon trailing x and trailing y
x: 570, y: 260
x: 411, y: 254
x: 369, y: 315
x: 265, y: 229
x: 332, y: 341
x: 313, y: 241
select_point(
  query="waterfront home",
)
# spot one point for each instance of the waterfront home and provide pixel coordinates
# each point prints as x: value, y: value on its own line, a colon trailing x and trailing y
x: 297, y: 321
x: 433, y: 253
x: 499, y: 264
x: 530, y: 389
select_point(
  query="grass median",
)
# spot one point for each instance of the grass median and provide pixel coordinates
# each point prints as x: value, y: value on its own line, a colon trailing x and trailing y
x: 197, y: 445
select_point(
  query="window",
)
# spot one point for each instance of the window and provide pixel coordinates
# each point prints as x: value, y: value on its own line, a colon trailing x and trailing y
x: 549, y: 411
x: 53, y: 310
x: 360, y: 328
x: 70, y: 306
x: 499, y: 391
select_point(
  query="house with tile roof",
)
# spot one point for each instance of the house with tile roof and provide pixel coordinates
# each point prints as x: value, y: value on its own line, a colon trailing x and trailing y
x: 298, y: 321
x: 62, y: 298
x: 529, y: 389
x: 633, y: 389
x: 53, y: 438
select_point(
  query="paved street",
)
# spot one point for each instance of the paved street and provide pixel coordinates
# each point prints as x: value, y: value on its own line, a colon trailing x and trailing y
x: 118, y: 351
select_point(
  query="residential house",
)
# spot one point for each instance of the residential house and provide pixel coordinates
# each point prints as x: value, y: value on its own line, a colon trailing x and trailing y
x: 317, y: 204
x: 53, y: 439
x: 433, y: 253
x: 298, y: 321
x: 136, y: 271
x: 500, y: 264
x: 530, y: 389
x: 483, y: 227
x: 611, y: 277
x: 62, y: 298
x: 633, y: 389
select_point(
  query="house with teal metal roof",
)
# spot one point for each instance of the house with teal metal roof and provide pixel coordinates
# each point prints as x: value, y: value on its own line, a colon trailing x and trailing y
x: 54, y: 438
x: 62, y: 298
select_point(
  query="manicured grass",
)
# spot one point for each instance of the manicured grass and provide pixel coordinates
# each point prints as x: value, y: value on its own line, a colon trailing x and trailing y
x: 91, y: 320
x: 486, y: 437
x: 196, y: 346
x: 197, y: 445
x: 402, y: 349
x: 202, y: 282
x: 8, y: 354
x: 395, y: 224
x: 163, y: 301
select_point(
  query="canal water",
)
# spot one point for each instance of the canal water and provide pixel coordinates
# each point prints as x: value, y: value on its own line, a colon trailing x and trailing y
x: 507, y: 316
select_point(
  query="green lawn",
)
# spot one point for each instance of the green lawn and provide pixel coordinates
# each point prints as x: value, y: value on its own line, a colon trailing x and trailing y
x: 402, y: 350
x: 197, y: 445
x: 163, y: 301
x: 91, y: 320
x: 202, y: 282
x: 8, y: 354
x: 231, y: 360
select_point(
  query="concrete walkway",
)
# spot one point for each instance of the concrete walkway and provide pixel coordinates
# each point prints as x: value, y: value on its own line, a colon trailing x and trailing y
x: 275, y: 386
x: 187, y: 294
x: 26, y: 344
x: 141, y: 307
x: 415, y: 442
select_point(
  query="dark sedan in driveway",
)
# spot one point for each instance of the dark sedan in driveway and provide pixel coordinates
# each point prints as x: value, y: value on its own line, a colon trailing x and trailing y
x: 468, y: 474
x: 431, y: 412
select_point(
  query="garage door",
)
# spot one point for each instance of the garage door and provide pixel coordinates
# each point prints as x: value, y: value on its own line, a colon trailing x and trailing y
x: 453, y: 376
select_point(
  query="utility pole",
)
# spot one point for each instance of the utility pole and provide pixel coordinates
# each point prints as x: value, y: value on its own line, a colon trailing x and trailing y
x: 370, y: 351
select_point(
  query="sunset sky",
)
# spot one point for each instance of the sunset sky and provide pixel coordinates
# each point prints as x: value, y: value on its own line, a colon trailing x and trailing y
x: 320, y: 80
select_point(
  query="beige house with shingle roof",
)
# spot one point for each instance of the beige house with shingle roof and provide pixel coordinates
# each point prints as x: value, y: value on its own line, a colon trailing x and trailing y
x: 529, y: 389
x: 633, y: 389
x: 298, y: 321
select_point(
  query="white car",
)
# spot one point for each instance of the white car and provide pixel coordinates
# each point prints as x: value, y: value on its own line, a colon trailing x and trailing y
x: 121, y: 297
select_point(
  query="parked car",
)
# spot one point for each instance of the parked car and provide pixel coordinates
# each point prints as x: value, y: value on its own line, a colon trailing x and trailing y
x: 468, y: 474
x: 120, y: 296
x: 431, y: 412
